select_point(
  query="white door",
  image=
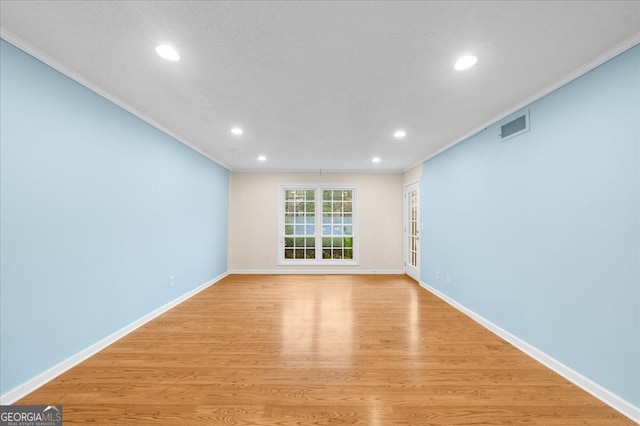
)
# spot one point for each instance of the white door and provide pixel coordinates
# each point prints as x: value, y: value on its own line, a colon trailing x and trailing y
x: 412, y: 231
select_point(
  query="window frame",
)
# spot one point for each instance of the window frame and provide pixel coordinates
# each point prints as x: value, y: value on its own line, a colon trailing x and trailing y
x: 318, y: 188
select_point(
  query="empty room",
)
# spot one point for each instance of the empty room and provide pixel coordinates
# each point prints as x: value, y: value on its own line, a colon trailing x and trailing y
x: 319, y: 212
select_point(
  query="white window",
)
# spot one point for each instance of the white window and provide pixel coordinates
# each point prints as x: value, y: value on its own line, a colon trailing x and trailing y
x: 318, y: 225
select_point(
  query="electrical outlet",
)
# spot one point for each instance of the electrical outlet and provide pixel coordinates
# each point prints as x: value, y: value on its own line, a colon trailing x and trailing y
x: 171, y: 281
x: 448, y: 278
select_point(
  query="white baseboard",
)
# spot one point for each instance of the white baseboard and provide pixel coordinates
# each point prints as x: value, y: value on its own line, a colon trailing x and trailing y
x: 604, y: 395
x: 285, y: 271
x: 43, y: 378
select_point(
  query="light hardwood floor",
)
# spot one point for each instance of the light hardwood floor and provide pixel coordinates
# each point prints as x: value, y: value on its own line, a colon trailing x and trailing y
x: 317, y: 350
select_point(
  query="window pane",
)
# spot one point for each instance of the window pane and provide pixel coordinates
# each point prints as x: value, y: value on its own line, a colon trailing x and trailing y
x: 288, y: 253
x: 288, y: 230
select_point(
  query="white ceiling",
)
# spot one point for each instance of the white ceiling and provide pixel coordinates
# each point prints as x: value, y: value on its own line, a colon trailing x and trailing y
x: 322, y: 85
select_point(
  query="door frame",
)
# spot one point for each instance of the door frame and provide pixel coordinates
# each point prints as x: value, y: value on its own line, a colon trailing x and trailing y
x: 409, y: 269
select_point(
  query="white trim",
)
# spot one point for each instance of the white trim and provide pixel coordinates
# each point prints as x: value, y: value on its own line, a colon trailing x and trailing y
x: 311, y: 262
x: 31, y: 385
x: 579, y: 72
x: 61, y: 68
x: 316, y: 271
x: 322, y: 172
x: 614, y: 401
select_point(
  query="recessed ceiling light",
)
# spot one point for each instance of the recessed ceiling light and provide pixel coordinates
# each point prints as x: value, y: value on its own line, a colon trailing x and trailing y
x: 465, y: 62
x: 375, y: 160
x: 262, y: 158
x: 167, y: 52
x: 399, y: 134
x: 237, y: 131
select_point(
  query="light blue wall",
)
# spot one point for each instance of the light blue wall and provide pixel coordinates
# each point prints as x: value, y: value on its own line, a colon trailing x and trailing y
x: 98, y: 209
x: 541, y: 233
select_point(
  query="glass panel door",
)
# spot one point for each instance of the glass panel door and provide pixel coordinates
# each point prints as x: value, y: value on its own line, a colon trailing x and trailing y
x: 412, y: 231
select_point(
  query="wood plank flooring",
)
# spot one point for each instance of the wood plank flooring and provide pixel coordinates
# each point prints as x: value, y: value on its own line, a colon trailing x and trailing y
x: 317, y: 350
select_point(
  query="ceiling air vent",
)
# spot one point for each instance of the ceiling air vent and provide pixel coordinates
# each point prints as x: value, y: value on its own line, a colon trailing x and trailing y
x: 515, y: 126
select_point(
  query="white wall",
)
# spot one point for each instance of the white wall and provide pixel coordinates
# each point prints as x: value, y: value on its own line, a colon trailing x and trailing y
x: 413, y: 175
x: 253, y: 221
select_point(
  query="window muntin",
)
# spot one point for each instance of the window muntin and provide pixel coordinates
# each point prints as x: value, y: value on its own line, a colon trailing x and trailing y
x: 413, y: 229
x: 318, y: 225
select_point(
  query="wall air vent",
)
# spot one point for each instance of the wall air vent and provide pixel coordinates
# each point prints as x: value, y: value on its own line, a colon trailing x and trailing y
x: 516, y: 125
